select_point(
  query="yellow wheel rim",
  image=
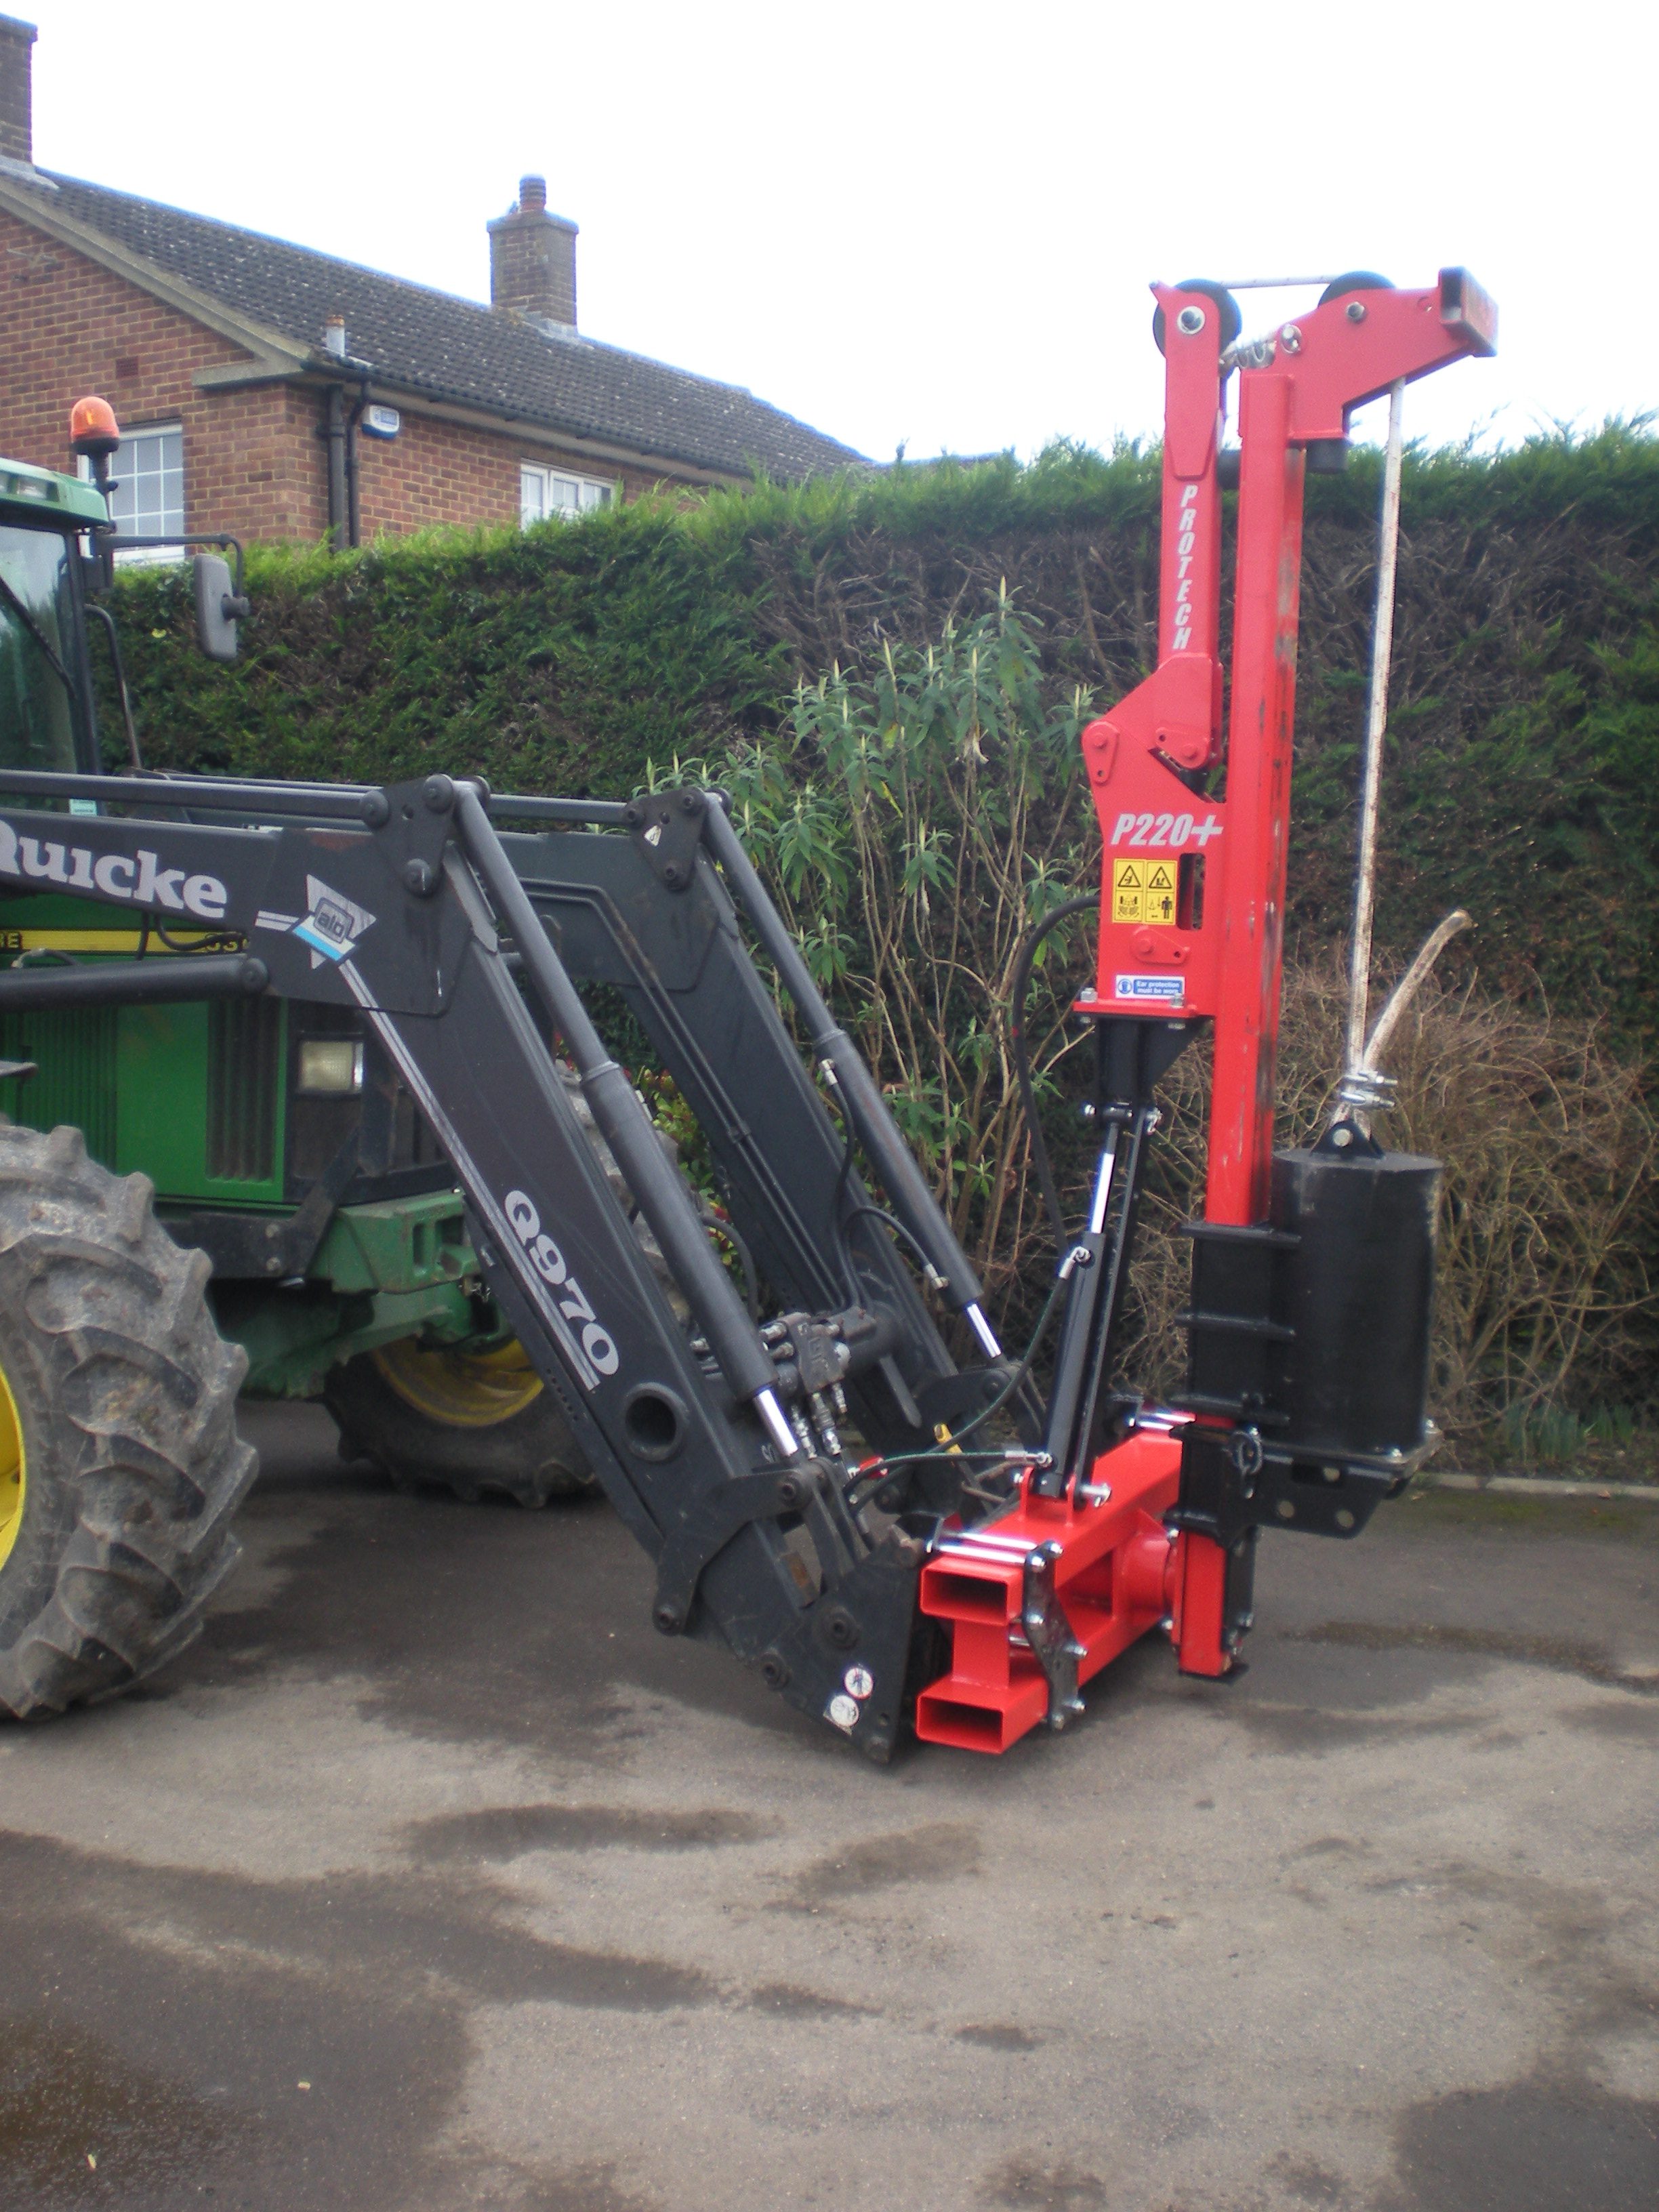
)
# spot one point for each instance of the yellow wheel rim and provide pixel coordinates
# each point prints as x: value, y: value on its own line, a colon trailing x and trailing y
x: 462, y: 1388
x: 14, y: 1476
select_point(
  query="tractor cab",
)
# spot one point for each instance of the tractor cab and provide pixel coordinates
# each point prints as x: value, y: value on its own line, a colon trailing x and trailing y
x: 56, y: 562
x: 46, y: 714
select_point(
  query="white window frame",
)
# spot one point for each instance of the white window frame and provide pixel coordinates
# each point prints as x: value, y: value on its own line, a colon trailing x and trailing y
x: 577, y: 494
x: 141, y: 556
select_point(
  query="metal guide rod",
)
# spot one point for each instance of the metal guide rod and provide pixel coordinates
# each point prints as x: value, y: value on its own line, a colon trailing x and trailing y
x: 172, y: 978
x: 1376, y: 721
x: 600, y: 813
x: 1269, y: 283
x: 912, y: 1200
x: 626, y: 1127
x: 341, y: 802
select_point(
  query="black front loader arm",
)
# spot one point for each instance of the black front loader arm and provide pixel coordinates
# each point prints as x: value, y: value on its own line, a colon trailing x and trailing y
x: 463, y: 951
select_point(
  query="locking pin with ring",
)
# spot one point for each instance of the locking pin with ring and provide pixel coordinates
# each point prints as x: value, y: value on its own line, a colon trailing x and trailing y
x: 1245, y: 1450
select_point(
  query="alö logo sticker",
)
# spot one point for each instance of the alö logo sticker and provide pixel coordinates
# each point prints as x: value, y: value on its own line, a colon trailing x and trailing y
x: 136, y: 879
x: 333, y: 924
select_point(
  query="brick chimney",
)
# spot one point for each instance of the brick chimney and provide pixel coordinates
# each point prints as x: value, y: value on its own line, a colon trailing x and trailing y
x: 532, y: 258
x: 16, y: 91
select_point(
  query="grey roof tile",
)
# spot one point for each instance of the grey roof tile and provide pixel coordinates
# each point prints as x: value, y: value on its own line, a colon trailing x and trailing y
x: 423, y: 341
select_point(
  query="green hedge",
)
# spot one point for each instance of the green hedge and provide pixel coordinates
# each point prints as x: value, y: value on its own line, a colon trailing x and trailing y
x: 1524, y: 753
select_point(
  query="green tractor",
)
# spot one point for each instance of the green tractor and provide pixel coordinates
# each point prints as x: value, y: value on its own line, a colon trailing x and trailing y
x: 196, y: 1200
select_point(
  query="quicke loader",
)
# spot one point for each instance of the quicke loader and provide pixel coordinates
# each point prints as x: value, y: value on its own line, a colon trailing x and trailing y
x: 306, y: 1093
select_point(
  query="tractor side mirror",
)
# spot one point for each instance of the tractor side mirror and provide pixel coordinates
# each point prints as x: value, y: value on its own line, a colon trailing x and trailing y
x: 218, y: 608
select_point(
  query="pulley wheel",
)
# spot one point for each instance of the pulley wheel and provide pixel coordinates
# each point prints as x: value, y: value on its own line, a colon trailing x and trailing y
x: 1231, y: 321
x: 1356, y: 280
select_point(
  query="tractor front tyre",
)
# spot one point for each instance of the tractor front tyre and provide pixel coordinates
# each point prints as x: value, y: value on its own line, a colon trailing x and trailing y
x: 464, y: 1418
x: 120, y: 1466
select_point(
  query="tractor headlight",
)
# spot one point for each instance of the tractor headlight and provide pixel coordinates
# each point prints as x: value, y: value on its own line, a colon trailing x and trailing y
x: 331, y: 1065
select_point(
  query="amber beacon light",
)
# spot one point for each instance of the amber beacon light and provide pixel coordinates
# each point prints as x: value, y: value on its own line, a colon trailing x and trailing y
x: 94, y: 430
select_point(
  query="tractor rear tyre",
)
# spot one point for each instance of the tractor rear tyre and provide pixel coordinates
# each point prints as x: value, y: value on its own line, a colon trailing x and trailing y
x: 464, y: 1418
x: 120, y: 1466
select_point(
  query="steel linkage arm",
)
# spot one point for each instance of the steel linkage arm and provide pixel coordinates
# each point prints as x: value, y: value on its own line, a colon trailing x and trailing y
x: 403, y: 905
x: 652, y: 920
x: 625, y: 1126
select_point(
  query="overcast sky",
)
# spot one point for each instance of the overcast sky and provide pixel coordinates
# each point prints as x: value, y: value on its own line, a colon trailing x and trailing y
x: 923, y: 223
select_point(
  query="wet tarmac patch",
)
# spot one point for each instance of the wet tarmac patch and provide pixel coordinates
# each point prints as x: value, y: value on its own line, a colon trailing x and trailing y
x: 267, y: 2043
x: 593, y: 2188
x: 1560, y: 1652
x: 500, y: 1832
x: 1025, y: 2184
x: 1308, y: 2181
x: 1546, y: 2145
x: 473, y: 1624
x: 195, y: 2058
x: 1312, y: 1731
x: 1625, y: 1724
x: 994, y: 2035
x: 80, y: 2124
x: 791, y: 2001
x: 1579, y: 1952
x: 936, y: 1852
x: 405, y: 1929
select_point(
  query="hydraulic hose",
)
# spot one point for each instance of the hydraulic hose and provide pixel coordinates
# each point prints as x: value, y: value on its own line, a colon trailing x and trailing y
x: 1017, y: 993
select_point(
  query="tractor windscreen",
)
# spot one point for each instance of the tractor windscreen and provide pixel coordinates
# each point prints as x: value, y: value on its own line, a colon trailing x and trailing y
x: 37, y: 688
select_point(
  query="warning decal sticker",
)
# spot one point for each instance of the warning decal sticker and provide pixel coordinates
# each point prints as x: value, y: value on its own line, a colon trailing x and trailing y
x: 1148, y: 990
x: 1144, y: 890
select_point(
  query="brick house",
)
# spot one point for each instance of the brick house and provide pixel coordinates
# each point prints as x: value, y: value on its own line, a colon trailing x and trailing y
x: 279, y: 393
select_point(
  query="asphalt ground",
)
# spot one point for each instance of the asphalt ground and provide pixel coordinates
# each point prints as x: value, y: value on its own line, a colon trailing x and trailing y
x: 433, y: 1878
